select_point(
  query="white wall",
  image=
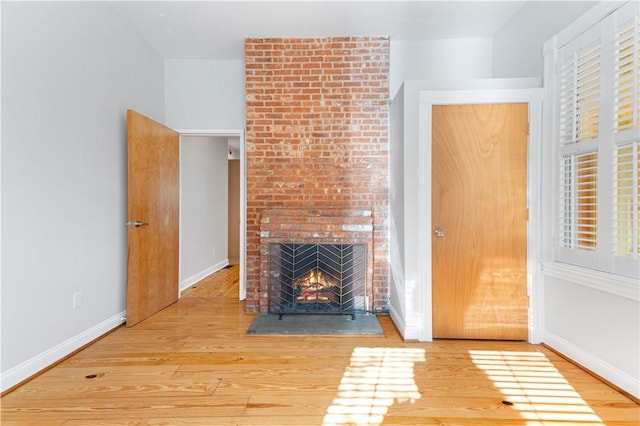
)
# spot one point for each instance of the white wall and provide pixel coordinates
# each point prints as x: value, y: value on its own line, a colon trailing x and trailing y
x: 591, y: 317
x: 397, y: 281
x: 598, y: 329
x: 517, y: 46
x: 203, y: 207
x: 69, y: 72
x: 446, y: 59
x: 209, y: 94
x: 204, y: 94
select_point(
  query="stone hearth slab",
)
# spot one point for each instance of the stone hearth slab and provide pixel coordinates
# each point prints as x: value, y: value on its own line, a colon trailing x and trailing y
x: 315, y: 324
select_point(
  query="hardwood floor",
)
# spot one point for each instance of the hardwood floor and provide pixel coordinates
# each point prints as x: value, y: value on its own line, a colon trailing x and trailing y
x: 193, y: 364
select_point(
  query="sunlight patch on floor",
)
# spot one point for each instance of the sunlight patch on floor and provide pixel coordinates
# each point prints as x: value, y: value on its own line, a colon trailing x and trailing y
x: 375, y: 379
x: 534, y: 387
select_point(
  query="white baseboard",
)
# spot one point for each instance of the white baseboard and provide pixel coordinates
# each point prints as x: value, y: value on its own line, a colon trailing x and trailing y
x: 603, y: 369
x: 407, y: 331
x: 23, y: 371
x: 397, y: 320
x: 188, y: 282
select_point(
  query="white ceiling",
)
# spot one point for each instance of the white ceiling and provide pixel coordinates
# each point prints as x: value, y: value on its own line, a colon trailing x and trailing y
x: 216, y: 29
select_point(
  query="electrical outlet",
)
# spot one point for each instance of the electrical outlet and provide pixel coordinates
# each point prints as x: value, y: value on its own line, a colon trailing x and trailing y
x: 77, y: 299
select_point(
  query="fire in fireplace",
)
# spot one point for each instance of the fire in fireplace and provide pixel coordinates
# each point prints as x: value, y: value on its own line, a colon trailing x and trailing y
x: 317, y: 278
x: 314, y: 287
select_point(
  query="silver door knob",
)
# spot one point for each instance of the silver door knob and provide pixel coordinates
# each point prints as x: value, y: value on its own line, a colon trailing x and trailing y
x: 438, y: 233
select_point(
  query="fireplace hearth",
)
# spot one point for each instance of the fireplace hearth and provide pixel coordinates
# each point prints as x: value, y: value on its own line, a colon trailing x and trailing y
x: 318, y: 278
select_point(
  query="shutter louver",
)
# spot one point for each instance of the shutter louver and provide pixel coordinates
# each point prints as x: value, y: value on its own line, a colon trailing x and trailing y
x: 586, y: 201
x: 626, y: 201
x: 566, y: 202
x: 580, y: 96
x: 567, y: 103
x: 578, y: 192
x: 627, y: 78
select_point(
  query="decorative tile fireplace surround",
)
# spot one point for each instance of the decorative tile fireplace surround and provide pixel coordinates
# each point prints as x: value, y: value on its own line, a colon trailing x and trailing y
x: 317, y: 168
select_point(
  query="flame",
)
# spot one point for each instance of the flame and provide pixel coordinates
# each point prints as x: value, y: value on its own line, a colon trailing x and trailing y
x: 312, y: 287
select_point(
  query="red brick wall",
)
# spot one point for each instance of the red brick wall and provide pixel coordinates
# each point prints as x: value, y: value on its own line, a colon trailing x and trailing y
x: 317, y: 137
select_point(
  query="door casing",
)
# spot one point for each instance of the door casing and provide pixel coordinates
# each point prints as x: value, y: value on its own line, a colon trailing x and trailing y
x: 533, y: 97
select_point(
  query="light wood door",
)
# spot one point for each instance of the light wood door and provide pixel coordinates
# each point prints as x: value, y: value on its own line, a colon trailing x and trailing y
x: 153, y: 202
x: 234, y: 212
x: 479, y: 218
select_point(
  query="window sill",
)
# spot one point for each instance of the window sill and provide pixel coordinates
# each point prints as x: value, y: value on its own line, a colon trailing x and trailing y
x: 608, y: 283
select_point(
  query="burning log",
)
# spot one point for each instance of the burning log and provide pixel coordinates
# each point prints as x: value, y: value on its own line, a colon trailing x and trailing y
x: 314, y: 287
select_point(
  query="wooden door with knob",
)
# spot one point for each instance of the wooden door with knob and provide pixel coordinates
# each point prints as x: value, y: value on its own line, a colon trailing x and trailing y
x: 153, y: 196
x: 479, y: 217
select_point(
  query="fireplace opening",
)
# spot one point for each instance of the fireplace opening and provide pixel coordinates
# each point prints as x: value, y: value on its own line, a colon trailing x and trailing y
x: 317, y: 278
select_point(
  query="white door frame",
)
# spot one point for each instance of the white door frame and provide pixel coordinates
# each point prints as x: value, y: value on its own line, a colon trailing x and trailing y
x: 534, y: 99
x: 243, y: 201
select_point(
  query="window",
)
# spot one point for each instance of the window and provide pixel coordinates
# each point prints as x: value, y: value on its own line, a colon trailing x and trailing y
x: 596, y: 90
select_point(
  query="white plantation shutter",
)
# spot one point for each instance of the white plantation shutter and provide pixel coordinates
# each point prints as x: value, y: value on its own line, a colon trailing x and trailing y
x: 579, y: 90
x: 597, y: 89
x: 626, y: 140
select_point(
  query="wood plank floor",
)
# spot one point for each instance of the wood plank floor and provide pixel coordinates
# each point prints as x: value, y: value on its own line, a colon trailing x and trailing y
x: 193, y: 364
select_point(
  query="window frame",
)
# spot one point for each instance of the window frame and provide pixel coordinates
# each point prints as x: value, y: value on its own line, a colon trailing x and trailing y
x: 563, y: 49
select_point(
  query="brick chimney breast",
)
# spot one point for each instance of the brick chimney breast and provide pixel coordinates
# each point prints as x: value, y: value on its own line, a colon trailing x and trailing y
x: 316, y: 147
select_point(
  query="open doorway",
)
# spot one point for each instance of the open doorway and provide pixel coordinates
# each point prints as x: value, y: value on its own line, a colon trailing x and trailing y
x: 211, y: 206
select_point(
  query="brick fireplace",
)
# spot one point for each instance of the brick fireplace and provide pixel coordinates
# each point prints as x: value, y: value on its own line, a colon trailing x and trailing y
x: 317, y: 152
x: 335, y: 228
